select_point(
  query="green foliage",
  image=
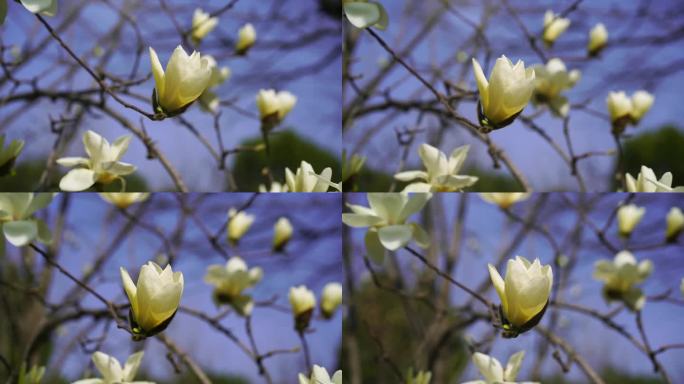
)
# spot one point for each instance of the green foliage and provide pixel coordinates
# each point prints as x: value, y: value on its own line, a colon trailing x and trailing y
x: 658, y: 150
x: 388, y: 329
x: 28, y: 173
x: 287, y: 150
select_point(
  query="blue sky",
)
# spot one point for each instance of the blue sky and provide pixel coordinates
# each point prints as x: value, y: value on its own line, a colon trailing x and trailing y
x: 487, y: 231
x: 619, y: 68
x: 316, y: 116
x: 313, y: 258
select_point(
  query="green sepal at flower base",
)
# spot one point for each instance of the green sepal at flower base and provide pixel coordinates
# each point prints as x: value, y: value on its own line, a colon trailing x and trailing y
x: 160, y: 113
x: 8, y: 156
x: 488, y: 126
x: 140, y: 334
x: 510, y: 331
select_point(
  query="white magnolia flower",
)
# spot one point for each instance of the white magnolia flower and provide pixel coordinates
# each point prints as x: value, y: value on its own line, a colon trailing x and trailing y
x: 274, y: 106
x: 507, y: 92
x: 202, y: 24
x: 112, y: 372
x: 154, y: 299
x: 387, y: 219
x: 124, y: 199
x: 303, y: 302
x: 621, y: 276
x: 9, y: 155
x: 275, y: 187
x: 641, y: 103
x: 598, y: 38
x: 16, y: 217
x: 554, y: 26
x: 492, y: 371
x: 675, y: 224
x: 524, y: 293
x: 44, y: 7
x: 209, y: 100
x: 246, y: 38
x: 319, y: 375
x: 305, y: 179
x: 230, y: 280
x: 441, y: 174
x: 622, y: 107
x: 550, y: 81
x: 282, y: 233
x: 184, y: 80
x: 364, y: 14
x: 331, y: 299
x: 102, y: 165
x: 505, y: 199
x: 647, y: 181
x: 628, y: 216
x: 238, y: 224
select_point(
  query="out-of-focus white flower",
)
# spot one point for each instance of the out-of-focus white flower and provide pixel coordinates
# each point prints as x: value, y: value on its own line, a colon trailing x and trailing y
x: 422, y: 377
x: 16, y: 217
x: 209, y: 100
x: 365, y: 14
x: 505, y: 94
x: 554, y: 26
x: 238, y: 224
x: 675, y: 224
x: 230, y: 280
x: 524, y: 293
x: 202, y: 24
x: 550, y: 81
x: 598, y: 38
x: 624, y: 110
x: 274, y: 106
x: 112, y: 372
x: 492, y: 371
x: 647, y: 181
x: 124, y: 199
x: 621, y: 276
x: 628, y: 216
x: 184, y: 80
x: 331, y: 299
x: 247, y: 36
x: 505, y: 199
x: 351, y: 166
x: 305, y: 179
x: 282, y: 233
x: 9, y: 155
x: 102, y: 165
x: 275, y: 187
x: 441, y: 174
x: 154, y: 299
x: 303, y: 302
x: 319, y: 375
x: 44, y: 7
x: 387, y: 222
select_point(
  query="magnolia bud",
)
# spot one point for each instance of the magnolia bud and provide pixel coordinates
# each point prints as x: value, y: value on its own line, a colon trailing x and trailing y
x: 282, y: 233
x: 675, y: 224
x: 202, y: 24
x: 238, y: 224
x: 554, y: 26
x: 598, y: 38
x: 628, y: 217
x: 505, y: 199
x: 246, y: 38
x: 331, y: 299
x: 303, y: 303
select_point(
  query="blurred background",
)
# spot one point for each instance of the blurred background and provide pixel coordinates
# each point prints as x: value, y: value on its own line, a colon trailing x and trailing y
x: 298, y: 49
x: 94, y: 239
x: 383, y: 103
x: 401, y: 314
